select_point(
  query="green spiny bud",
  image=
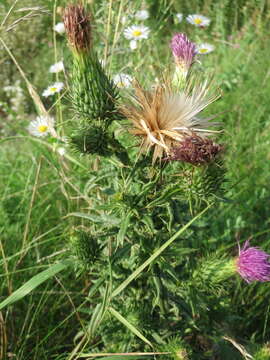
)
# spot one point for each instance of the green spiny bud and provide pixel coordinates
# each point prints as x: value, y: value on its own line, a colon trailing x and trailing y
x: 202, y: 183
x: 93, y: 94
x: 214, y: 271
x: 85, y: 247
x: 176, y: 350
x: 90, y: 140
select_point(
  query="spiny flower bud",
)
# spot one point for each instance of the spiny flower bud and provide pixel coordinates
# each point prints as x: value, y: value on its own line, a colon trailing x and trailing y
x: 78, y: 28
x: 195, y: 150
x: 252, y: 264
x: 183, y: 51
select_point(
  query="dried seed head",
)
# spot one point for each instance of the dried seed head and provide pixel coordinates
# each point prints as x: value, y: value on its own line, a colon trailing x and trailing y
x: 78, y: 28
x: 195, y: 150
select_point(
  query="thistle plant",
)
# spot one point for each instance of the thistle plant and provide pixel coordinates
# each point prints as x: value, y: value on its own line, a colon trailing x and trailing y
x: 171, y: 166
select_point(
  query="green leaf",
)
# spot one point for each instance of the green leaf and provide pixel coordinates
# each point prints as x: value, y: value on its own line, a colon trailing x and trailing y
x: 99, y: 312
x: 123, y: 228
x: 108, y: 219
x: 153, y: 257
x: 129, y: 325
x: 36, y: 280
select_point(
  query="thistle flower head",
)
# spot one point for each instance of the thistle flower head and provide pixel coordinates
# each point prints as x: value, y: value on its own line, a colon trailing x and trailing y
x: 78, y: 29
x: 252, y: 264
x: 162, y: 118
x: 183, y: 51
x: 195, y: 150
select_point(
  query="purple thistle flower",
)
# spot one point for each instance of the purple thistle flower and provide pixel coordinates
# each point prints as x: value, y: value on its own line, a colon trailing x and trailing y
x: 252, y: 264
x: 183, y: 50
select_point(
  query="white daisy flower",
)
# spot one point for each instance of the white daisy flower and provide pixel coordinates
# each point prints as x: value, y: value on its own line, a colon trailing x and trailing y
x: 53, y: 89
x: 61, y: 151
x: 204, y: 48
x: 142, y: 15
x: 59, y: 28
x: 179, y: 17
x: 41, y: 127
x: 122, y: 80
x: 198, y: 20
x: 57, y: 67
x: 133, y: 44
x: 136, y: 32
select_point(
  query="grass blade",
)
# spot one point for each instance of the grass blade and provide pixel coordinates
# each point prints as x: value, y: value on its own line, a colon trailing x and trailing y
x: 34, y: 282
x: 129, y: 325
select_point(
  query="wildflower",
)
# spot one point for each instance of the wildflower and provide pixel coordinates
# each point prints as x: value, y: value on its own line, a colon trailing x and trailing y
x: 142, y: 15
x: 41, y: 127
x: 204, y: 48
x: 59, y: 28
x: 198, y: 20
x: 179, y: 17
x: 183, y: 51
x: 136, y: 32
x: 195, y: 150
x: 122, y: 80
x: 133, y: 44
x: 61, y: 151
x: 124, y: 20
x: 53, y: 89
x: 57, y: 67
x: 77, y: 25
x: 162, y: 118
x: 252, y: 264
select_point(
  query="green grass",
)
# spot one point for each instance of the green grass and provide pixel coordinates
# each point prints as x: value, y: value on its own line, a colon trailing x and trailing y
x: 38, y: 187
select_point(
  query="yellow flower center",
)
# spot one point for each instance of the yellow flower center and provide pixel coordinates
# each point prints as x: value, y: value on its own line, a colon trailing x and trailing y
x: 198, y: 21
x: 136, y: 33
x: 42, y: 128
x: 120, y: 84
x: 203, y: 51
x: 53, y: 89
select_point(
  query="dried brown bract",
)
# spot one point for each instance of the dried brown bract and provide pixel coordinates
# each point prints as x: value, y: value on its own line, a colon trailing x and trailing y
x: 78, y: 27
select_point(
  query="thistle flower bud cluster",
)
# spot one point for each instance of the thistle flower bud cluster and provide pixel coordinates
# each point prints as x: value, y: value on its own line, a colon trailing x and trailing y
x: 78, y: 28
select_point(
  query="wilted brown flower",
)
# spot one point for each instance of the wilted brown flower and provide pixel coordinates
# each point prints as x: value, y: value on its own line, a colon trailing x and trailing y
x: 163, y: 118
x: 78, y: 28
x: 195, y: 150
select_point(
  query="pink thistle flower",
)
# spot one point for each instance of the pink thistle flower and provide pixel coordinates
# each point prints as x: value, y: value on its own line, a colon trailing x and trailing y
x: 183, y: 50
x: 252, y: 264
